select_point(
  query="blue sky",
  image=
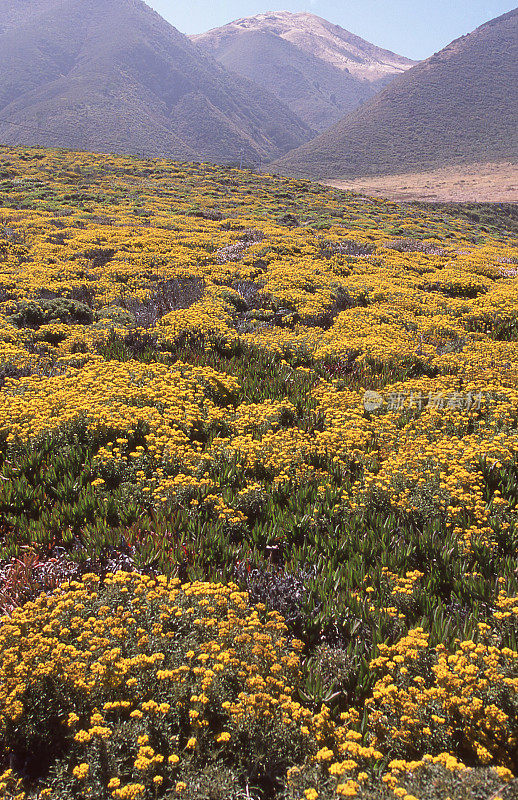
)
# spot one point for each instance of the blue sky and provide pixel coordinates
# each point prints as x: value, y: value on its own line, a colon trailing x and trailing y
x: 413, y: 28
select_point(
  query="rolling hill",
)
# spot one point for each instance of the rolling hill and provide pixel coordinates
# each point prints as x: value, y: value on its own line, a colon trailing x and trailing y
x: 459, y: 106
x: 320, y: 70
x: 67, y: 80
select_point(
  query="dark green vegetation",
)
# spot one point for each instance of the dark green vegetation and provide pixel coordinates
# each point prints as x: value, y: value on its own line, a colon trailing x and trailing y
x: 111, y: 75
x: 502, y: 216
x: 459, y: 106
x: 319, y: 70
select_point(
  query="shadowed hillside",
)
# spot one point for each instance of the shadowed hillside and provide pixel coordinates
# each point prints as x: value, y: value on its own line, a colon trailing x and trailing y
x: 66, y: 80
x: 320, y: 70
x: 459, y: 106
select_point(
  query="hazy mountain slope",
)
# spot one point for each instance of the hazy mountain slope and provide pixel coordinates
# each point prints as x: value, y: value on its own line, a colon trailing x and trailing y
x: 320, y: 70
x: 14, y: 14
x: 113, y: 75
x: 459, y: 106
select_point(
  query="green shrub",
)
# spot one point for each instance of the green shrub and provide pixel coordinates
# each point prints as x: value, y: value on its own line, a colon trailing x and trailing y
x: 35, y: 314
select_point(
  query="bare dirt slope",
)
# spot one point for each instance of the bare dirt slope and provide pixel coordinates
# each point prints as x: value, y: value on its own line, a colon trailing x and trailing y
x: 469, y: 183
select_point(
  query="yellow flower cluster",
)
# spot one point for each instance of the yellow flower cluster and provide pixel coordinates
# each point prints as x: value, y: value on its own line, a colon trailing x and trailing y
x: 199, y: 649
x: 365, y: 295
x: 427, y: 696
x: 150, y: 665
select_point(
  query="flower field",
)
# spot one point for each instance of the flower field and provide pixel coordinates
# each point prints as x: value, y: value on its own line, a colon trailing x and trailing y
x: 258, y: 488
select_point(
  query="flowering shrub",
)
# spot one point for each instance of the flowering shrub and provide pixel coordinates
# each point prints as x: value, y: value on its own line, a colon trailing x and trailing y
x: 143, y: 687
x: 433, y: 700
x: 431, y: 778
x: 138, y: 687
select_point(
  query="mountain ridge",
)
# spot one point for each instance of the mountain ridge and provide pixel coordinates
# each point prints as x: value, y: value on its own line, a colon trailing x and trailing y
x: 320, y: 70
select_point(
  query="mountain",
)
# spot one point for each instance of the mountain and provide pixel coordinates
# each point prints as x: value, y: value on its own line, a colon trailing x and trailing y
x: 459, y: 106
x: 320, y: 70
x: 112, y: 75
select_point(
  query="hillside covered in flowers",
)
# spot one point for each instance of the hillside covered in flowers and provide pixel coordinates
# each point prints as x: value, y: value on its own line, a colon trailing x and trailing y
x: 258, y: 487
